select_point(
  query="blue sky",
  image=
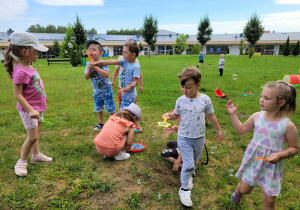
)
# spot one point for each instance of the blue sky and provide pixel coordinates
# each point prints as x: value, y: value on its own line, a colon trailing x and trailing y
x: 226, y: 16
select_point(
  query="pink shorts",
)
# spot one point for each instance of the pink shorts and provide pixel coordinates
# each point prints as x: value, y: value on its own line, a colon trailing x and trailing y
x: 110, y: 152
x: 29, y: 122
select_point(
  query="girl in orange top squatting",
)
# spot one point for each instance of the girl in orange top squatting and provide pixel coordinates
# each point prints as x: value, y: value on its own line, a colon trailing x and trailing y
x: 117, y: 133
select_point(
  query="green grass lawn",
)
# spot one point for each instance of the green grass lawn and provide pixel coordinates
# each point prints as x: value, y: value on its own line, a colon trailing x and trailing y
x: 80, y: 178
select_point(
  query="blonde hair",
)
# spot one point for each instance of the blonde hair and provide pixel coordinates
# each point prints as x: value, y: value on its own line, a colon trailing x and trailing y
x: 127, y: 115
x: 285, y: 92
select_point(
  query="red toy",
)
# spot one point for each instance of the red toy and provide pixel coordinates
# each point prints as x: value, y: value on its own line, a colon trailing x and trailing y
x: 138, y: 147
x: 219, y: 93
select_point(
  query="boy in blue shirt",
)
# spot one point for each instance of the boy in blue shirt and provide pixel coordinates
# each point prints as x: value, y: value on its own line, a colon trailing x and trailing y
x: 102, y: 91
x: 201, y: 59
x: 131, y: 74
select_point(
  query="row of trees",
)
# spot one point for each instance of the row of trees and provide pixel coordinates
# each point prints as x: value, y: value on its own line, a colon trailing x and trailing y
x: 287, y: 48
x: 37, y: 28
x: 76, y: 36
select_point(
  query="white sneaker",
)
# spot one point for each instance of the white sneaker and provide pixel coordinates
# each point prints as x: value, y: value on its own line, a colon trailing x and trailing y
x: 190, y: 184
x: 185, y: 197
x: 122, y: 156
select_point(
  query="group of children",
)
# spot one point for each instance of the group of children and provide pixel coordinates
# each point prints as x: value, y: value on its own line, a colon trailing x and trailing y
x: 271, y: 126
x: 220, y: 63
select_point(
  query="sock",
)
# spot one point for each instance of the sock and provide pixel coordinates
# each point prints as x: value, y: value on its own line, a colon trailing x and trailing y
x: 138, y: 127
x: 184, y: 189
x: 22, y: 161
x: 36, y: 155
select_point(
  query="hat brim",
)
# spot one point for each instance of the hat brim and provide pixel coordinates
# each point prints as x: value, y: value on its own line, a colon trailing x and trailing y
x: 88, y: 42
x: 40, y: 48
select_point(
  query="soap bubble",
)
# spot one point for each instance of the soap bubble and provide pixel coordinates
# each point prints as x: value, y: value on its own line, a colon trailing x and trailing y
x: 84, y: 52
x: 234, y: 76
x: 72, y: 39
x: 70, y: 45
x: 66, y: 51
x: 213, y: 149
x: 230, y: 172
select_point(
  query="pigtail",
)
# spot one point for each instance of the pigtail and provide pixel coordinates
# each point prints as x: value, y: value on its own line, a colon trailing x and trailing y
x: 9, y: 61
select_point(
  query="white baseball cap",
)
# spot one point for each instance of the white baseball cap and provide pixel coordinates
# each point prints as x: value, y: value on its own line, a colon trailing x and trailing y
x: 27, y: 39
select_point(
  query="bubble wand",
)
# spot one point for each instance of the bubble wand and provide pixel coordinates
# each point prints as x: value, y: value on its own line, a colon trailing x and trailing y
x: 46, y: 121
x: 89, y: 55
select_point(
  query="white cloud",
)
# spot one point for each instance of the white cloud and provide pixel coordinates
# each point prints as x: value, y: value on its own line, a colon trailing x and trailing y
x: 282, y: 22
x: 287, y: 1
x: 12, y: 10
x: 71, y: 2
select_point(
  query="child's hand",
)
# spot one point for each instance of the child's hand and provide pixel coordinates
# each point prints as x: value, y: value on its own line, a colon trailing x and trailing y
x: 34, y: 114
x: 98, y: 63
x: 121, y: 92
x: 274, y: 158
x: 165, y: 115
x: 176, y: 166
x: 230, y: 107
x: 141, y: 89
x: 220, y: 136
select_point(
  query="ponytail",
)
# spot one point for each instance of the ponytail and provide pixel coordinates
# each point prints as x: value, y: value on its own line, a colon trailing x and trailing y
x: 11, y: 57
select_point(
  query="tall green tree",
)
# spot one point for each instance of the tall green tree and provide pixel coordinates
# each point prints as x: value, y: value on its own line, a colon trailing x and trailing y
x: 286, y: 47
x: 80, y: 33
x: 242, y: 46
x: 204, y: 30
x: 253, y: 30
x: 181, y: 44
x: 67, y: 45
x: 296, y: 49
x: 150, y: 30
x: 55, y: 48
x: 75, y: 57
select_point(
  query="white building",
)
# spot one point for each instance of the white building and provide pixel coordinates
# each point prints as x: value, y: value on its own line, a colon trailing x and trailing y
x: 219, y: 43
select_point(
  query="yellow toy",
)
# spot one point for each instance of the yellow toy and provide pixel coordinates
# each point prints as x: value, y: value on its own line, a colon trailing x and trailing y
x: 164, y: 123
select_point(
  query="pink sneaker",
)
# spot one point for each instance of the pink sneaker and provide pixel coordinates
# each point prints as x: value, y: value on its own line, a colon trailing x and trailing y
x: 41, y: 158
x: 20, y: 169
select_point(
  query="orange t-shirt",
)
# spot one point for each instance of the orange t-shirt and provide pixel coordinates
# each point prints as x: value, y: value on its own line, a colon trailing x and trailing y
x: 111, y: 135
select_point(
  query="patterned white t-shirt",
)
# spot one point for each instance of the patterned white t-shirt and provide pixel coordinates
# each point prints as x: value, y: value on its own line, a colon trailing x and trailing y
x: 192, y: 112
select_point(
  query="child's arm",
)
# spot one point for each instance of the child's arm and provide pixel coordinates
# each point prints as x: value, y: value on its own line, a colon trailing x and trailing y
x: 129, y: 139
x: 292, y: 141
x: 170, y: 116
x: 177, y: 162
x: 101, y: 71
x: 240, y: 127
x: 116, y: 73
x: 141, y: 89
x: 18, y: 88
x: 213, y: 120
x: 106, y: 62
x: 129, y: 87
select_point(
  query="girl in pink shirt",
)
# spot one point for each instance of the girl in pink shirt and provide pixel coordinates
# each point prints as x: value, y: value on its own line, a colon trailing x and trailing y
x: 29, y: 93
x: 117, y: 133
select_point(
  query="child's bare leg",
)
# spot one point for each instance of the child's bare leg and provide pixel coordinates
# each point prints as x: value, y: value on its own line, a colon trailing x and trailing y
x: 242, y: 188
x: 268, y: 201
x: 35, y: 146
x: 100, y: 116
x: 32, y: 138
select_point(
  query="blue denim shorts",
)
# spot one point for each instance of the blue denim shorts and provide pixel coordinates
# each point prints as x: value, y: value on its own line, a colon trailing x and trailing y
x: 104, y: 98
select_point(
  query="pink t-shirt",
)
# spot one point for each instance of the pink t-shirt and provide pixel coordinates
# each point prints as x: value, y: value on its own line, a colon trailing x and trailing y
x: 33, y: 88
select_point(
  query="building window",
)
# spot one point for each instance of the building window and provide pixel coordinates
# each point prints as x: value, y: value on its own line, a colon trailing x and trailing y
x: 118, y: 51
